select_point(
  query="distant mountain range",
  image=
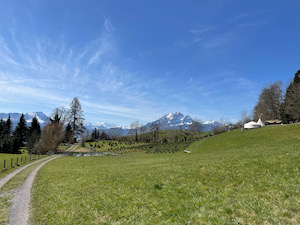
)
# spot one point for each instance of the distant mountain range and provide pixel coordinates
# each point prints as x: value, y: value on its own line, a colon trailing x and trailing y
x: 100, y: 125
x: 15, y: 118
x: 171, y: 121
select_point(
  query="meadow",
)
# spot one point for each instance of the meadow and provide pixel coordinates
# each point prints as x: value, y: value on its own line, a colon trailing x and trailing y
x: 16, y: 161
x: 238, y: 177
x: 125, y: 147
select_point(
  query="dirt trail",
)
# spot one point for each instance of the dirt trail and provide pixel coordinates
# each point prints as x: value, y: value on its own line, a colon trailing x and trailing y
x: 6, y: 178
x: 20, y: 207
x: 72, y: 148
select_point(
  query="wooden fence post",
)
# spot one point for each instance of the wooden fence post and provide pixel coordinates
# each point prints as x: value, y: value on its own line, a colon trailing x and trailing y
x: 4, y: 164
x: 11, y: 163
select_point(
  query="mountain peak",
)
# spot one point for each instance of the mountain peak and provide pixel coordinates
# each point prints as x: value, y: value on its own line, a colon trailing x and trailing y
x: 172, y: 121
x: 15, y: 117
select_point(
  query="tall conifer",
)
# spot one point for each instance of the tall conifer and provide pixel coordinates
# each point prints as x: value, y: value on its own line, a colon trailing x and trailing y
x: 21, y: 131
x: 34, y: 133
x: 291, y: 107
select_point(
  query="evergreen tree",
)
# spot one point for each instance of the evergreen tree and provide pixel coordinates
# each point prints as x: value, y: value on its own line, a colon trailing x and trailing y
x: 21, y: 131
x: 2, y: 128
x: 95, y: 134
x: 103, y: 135
x: 76, y: 117
x: 68, y: 134
x: 2, y: 125
x: 5, y: 136
x: 291, y: 106
x: 34, y: 133
x: 8, y: 125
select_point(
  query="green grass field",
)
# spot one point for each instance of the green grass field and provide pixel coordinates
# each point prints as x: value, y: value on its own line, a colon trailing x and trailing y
x: 126, y: 147
x: 238, y: 177
x: 109, y: 145
x: 22, y: 159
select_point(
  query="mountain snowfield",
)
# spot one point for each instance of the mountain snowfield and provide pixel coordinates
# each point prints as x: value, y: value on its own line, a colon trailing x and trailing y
x: 15, y: 117
x: 100, y: 125
x: 171, y: 121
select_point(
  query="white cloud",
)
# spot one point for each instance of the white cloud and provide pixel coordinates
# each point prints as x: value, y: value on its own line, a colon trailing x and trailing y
x: 217, y: 41
x: 202, y: 29
x: 251, y: 24
x: 108, y: 26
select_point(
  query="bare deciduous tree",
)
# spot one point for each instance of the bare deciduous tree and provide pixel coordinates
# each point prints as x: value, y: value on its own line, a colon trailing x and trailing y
x: 269, y: 102
x: 60, y: 114
x: 245, y: 117
x: 134, y: 127
x: 154, y: 127
x: 52, y: 136
x: 143, y: 129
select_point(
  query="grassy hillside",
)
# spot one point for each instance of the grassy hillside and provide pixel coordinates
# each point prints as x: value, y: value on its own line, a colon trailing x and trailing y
x: 245, y: 177
x: 169, y: 136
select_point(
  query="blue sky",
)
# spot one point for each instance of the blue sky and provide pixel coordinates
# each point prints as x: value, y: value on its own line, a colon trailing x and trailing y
x: 141, y: 59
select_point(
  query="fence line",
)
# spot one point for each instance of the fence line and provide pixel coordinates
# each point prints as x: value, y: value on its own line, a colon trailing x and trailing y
x: 14, y: 162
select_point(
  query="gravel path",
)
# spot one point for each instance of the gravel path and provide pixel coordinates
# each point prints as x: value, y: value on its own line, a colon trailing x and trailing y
x: 20, y: 207
x: 6, y: 178
x: 72, y: 148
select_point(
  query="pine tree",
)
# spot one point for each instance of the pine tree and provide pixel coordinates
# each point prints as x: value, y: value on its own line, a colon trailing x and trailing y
x: 95, y: 134
x: 8, y: 125
x: 5, y: 136
x: 21, y: 131
x: 76, y: 117
x: 291, y: 106
x: 103, y: 135
x: 68, y: 133
x: 34, y: 133
x: 2, y: 125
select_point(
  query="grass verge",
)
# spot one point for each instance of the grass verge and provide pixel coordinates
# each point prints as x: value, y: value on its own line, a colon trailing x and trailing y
x: 19, y: 160
x: 239, y: 177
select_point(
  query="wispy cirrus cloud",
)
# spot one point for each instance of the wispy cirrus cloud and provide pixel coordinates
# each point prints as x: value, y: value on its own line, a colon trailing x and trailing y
x: 252, y: 24
x: 108, y: 25
x: 53, y: 72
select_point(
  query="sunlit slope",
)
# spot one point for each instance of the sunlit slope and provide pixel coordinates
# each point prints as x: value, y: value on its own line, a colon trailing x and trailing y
x: 238, y: 177
x: 261, y: 142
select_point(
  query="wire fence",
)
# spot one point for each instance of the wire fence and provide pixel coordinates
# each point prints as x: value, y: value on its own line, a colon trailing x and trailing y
x: 13, y: 162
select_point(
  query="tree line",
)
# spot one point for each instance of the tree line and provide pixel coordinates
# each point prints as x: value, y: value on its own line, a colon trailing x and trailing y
x: 12, y: 141
x: 65, y: 126
x: 277, y: 103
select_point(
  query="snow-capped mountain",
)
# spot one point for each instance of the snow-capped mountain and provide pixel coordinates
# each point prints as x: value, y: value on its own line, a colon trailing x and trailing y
x: 15, y: 117
x: 100, y: 125
x: 209, y: 125
x: 172, y: 121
